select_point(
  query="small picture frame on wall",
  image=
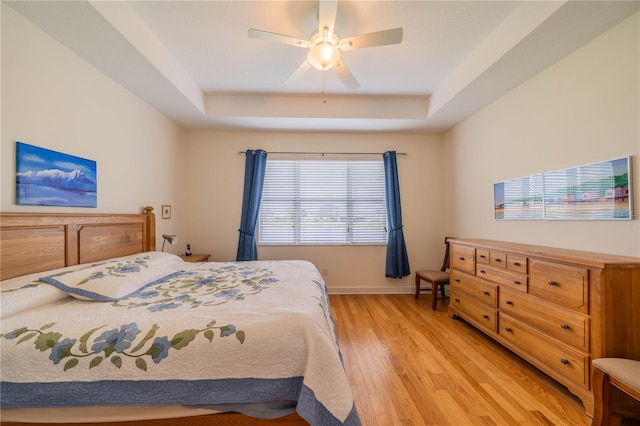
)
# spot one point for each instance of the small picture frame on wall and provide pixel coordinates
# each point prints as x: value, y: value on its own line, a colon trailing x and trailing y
x: 166, y: 211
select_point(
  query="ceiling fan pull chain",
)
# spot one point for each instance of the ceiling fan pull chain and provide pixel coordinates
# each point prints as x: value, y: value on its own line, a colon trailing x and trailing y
x: 324, y: 100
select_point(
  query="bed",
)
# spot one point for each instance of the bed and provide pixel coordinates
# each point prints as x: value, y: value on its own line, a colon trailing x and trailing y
x: 98, y: 326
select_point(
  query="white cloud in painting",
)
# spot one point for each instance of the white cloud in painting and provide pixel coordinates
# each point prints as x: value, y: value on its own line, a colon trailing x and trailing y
x: 33, y: 158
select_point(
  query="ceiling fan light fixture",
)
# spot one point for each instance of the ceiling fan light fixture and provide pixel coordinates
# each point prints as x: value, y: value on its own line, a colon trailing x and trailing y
x: 325, y: 46
x: 323, y: 56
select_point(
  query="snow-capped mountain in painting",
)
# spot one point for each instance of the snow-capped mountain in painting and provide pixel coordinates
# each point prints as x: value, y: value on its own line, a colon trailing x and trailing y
x: 71, y: 181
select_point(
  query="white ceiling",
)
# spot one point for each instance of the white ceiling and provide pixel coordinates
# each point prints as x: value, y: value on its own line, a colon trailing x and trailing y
x: 194, y: 61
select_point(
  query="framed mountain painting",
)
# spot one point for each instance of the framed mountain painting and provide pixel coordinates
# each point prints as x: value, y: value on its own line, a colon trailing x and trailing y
x: 49, y: 178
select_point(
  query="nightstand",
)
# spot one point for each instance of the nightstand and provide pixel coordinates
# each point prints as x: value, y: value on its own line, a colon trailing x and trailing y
x: 195, y: 257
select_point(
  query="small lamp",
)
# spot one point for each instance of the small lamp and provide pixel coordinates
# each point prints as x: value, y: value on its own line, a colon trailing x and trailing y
x: 173, y: 239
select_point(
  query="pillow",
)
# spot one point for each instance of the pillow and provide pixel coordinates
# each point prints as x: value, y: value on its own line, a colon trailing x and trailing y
x: 159, y: 258
x: 110, y: 280
x: 25, y: 292
x: 154, y: 258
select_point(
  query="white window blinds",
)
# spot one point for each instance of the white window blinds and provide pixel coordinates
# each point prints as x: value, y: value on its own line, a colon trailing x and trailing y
x: 323, y: 202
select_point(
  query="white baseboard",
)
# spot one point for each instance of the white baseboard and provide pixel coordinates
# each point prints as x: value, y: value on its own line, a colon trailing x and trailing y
x: 371, y: 290
x: 376, y: 290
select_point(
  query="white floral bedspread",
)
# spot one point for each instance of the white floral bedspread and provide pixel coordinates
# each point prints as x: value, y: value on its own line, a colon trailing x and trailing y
x: 231, y: 336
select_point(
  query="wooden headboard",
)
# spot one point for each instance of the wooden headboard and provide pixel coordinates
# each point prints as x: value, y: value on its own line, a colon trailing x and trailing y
x: 35, y: 242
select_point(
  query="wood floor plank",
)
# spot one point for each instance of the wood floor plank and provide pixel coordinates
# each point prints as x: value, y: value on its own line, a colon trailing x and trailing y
x: 409, y: 365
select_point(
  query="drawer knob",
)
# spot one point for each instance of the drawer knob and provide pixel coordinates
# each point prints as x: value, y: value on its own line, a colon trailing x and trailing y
x: 516, y: 263
x: 462, y: 259
x: 564, y: 326
x: 564, y: 361
x: 482, y: 271
x: 457, y: 280
x: 551, y: 282
x: 457, y: 300
x: 485, y: 316
x: 516, y: 282
x: 498, y: 260
x: 486, y: 293
x: 482, y: 256
x: 509, y: 302
x: 508, y: 329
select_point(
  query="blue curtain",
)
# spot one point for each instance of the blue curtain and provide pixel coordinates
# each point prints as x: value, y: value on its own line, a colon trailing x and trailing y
x: 397, y: 259
x: 254, y: 167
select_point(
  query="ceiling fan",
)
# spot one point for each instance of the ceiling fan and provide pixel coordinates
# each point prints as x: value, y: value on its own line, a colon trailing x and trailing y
x: 325, y: 46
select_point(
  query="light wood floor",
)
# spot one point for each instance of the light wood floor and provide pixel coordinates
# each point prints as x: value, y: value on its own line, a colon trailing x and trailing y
x: 409, y: 365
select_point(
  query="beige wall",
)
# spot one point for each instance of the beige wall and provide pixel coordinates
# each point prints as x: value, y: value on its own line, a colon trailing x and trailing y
x: 216, y: 180
x: 583, y: 109
x: 53, y: 99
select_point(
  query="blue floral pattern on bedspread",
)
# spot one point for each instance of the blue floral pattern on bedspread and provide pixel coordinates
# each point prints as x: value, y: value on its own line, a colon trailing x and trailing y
x: 115, y: 344
x: 201, y: 287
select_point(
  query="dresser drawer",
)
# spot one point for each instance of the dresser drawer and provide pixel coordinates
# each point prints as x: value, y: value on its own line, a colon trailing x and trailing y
x: 498, y: 259
x: 485, y: 292
x: 463, y: 258
x: 567, y: 286
x: 482, y: 256
x: 565, y: 325
x: 566, y: 362
x: 481, y: 315
x: 517, y: 263
x: 503, y: 277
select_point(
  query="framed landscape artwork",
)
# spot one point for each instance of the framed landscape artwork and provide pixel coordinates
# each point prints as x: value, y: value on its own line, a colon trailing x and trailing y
x: 50, y: 178
x: 597, y: 191
x: 520, y: 198
x: 594, y: 191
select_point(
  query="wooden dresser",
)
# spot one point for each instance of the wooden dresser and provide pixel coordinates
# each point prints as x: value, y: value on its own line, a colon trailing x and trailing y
x: 558, y: 309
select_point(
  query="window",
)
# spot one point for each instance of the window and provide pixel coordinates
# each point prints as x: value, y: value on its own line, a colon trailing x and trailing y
x: 323, y: 202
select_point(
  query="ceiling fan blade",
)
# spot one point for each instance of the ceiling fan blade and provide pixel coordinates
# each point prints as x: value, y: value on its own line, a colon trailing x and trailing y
x: 278, y: 38
x: 327, y: 16
x: 379, y: 38
x: 298, y: 72
x: 345, y: 76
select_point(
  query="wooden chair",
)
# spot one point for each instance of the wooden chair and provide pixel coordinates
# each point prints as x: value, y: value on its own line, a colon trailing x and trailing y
x: 437, y: 279
x: 609, y: 374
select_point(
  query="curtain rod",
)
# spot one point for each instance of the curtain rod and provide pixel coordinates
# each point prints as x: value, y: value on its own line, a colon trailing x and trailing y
x: 325, y: 153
